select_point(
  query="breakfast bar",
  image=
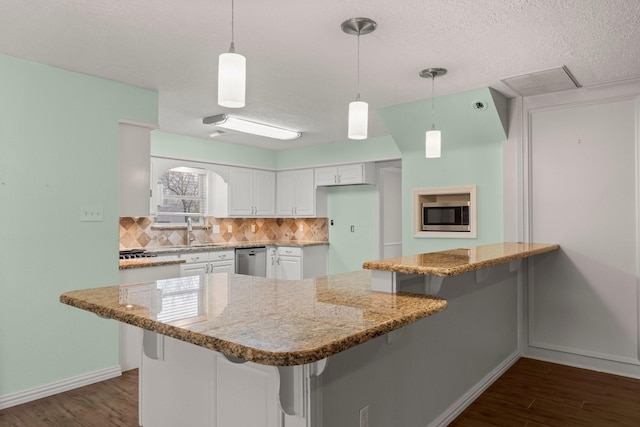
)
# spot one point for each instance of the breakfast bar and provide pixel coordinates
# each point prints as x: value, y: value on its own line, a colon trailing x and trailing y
x: 269, y: 352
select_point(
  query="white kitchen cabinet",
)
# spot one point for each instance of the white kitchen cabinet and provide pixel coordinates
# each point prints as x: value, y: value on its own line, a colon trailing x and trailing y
x: 357, y: 173
x: 193, y: 386
x: 251, y: 192
x: 272, y: 258
x: 130, y: 337
x: 201, y: 263
x: 289, y: 263
x: 296, y: 193
x: 296, y: 263
x: 134, y: 151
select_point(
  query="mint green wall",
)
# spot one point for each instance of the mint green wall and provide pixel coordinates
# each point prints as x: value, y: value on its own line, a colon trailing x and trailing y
x: 58, y: 151
x: 208, y: 150
x: 471, y: 155
x: 351, y: 205
x: 372, y: 149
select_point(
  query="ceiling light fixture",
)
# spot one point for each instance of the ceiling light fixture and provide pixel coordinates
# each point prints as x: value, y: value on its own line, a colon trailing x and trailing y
x: 232, y: 75
x: 247, y: 126
x: 433, y: 137
x: 358, y: 110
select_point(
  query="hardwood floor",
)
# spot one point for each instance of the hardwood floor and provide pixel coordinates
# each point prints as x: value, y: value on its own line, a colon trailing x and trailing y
x: 533, y: 393
x: 109, y: 403
x: 530, y: 394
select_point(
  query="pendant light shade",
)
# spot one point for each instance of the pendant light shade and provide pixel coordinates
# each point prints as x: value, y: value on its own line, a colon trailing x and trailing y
x: 358, y: 119
x: 433, y: 137
x: 358, y: 110
x: 432, y: 144
x: 232, y: 72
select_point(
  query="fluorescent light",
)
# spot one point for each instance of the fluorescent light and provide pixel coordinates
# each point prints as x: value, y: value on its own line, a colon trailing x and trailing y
x: 358, y: 119
x: 247, y: 126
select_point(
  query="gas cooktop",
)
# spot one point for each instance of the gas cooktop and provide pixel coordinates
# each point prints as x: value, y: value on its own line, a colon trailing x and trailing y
x: 135, y: 254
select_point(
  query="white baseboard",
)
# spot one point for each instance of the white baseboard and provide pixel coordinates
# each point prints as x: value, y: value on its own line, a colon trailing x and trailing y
x: 467, y: 399
x: 13, y: 399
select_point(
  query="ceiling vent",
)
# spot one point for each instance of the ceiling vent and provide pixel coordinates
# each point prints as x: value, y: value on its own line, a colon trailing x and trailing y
x: 546, y: 81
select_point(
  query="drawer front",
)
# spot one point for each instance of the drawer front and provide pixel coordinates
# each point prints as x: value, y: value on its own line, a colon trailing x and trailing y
x: 195, y: 257
x: 221, y: 255
x: 289, y: 251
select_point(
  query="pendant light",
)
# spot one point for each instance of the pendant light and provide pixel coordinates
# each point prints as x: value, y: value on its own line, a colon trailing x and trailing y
x: 232, y: 71
x: 433, y: 136
x: 358, y: 110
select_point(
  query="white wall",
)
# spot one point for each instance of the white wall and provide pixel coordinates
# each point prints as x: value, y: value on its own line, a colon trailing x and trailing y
x: 578, y: 186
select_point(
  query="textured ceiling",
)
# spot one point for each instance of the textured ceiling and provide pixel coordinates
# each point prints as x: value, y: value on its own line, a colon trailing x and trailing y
x: 301, y: 68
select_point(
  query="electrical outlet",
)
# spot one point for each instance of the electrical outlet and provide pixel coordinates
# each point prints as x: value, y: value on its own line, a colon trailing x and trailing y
x: 253, y: 228
x: 300, y: 227
x: 364, y: 416
x: 229, y: 228
x: 91, y: 213
x: 215, y: 228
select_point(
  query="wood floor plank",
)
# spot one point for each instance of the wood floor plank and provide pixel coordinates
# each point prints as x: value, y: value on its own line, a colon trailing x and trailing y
x: 559, y: 395
x: 109, y: 403
x: 531, y: 393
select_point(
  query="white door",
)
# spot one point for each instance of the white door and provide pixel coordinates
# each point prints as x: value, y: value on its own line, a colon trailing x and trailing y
x: 240, y: 192
x: 285, y: 193
x: 264, y: 193
x: 350, y: 174
x: 246, y: 395
x: 289, y: 267
x: 195, y: 269
x: 326, y: 176
x: 304, y: 193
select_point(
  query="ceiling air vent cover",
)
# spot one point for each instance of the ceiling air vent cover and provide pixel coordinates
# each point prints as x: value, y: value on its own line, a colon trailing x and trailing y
x: 540, y: 82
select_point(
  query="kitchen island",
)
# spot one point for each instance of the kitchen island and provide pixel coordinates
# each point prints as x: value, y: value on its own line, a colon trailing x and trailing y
x: 229, y: 350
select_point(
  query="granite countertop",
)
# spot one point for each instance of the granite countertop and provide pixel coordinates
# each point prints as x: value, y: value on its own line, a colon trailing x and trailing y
x: 267, y: 321
x: 127, y: 264
x: 458, y: 261
x: 201, y: 247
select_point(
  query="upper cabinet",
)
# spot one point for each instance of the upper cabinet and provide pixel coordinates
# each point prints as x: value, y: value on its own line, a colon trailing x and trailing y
x: 358, y: 173
x: 296, y: 193
x: 134, y: 150
x: 252, y: 192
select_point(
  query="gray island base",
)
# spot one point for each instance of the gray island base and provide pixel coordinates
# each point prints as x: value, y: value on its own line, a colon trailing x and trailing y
x: 230, y: 350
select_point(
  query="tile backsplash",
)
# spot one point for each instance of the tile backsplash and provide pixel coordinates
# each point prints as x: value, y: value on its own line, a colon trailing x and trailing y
x: 142, y: 233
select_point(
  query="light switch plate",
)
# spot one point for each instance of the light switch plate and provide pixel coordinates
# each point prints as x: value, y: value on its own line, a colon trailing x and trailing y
x: 91, y: 213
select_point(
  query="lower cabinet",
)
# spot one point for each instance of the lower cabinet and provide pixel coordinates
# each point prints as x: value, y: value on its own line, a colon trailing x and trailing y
x: 186, y: 385
x: 207, y: 263
x: 296, y: 263
x: 130, y: 337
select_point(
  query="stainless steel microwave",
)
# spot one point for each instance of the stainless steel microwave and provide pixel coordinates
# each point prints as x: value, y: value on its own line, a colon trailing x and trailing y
x: 445, y: 216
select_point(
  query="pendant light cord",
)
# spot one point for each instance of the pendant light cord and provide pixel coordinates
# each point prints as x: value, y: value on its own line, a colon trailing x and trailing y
x: 358, y: 96
x: 433, y: 96
x: 232, y: 48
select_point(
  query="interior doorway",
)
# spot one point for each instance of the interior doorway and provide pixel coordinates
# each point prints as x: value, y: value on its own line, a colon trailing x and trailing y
x: 390, y: 212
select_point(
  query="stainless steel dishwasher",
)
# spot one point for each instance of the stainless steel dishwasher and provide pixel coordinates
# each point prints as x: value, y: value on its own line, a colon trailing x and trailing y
x: 252, y: 261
